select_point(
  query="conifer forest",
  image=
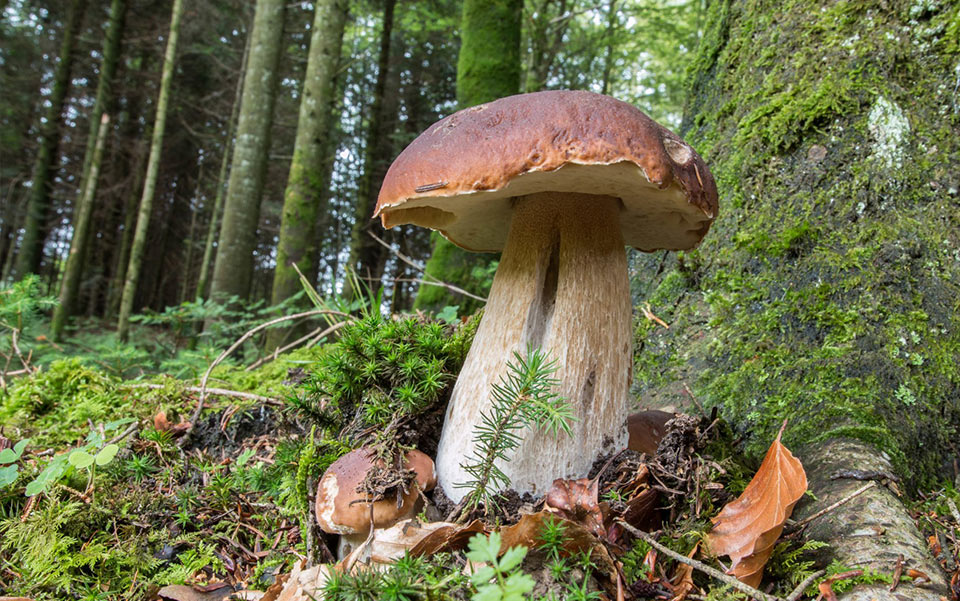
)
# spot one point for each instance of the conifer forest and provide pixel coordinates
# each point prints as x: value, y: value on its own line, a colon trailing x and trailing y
x: 486, y: 300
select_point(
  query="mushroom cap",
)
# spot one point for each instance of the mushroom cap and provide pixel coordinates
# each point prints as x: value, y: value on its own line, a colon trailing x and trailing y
x: 340, y: 509
x: 460, y: 175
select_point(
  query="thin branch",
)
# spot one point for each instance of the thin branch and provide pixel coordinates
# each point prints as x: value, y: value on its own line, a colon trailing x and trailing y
x: 798, y: 592
x: 219, y: 392
x: 697, y: 565
x: 825, y: 510
x: 319, y: 333
x: 432, y: 281
x: 244, y: 338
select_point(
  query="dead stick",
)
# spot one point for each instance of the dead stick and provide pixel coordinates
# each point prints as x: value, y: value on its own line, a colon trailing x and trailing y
x: 846, y: 499
x: 798, y: 592
x: 715, y: 573
x: 319, y: 333
x: 219, y: 392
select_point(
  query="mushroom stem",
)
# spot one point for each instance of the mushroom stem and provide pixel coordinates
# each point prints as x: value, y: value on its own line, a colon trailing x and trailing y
x: 562, y: 286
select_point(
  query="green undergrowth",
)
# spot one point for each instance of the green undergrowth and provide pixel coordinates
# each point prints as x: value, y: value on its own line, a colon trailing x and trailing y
x: 826, y: 292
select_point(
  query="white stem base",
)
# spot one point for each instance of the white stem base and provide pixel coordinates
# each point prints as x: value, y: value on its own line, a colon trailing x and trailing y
x: 562, y: 286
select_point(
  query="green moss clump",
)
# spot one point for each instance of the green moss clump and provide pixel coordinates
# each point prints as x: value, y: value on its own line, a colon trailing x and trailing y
x: 383, y: 372
x: 827, y: 289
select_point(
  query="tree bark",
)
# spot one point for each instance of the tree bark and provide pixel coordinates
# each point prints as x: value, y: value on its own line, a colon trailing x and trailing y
x: 311, y: 165
x: 365, y: 253
x: 91, y: 170
x: 150, y: 181
x: 38, y: 205
x: 233, y: 269
x: 488, y: 68
x: 826, y: 292
x: 214, y: 226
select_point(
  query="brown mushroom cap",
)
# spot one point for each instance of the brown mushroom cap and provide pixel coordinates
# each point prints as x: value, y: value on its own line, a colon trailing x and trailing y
x: 460, y: 175
x: 340, y: 509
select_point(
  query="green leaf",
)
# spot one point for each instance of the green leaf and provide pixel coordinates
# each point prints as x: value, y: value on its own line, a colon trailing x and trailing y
x: 245, y: 457
x: 517, y: 584
x: 449, y: 314
x: 8, y: 456
x: 8, y: 475
x: 512, y: 558
x: 107, y: 454
x: 80, y: 459
x: 35, y: 487
x: 117, y: 423
x: 490, y: 592
x: 483, y: 575
x: 485, y: 549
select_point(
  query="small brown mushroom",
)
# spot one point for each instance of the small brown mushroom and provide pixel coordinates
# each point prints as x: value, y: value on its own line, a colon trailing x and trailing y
x: 341, y: 508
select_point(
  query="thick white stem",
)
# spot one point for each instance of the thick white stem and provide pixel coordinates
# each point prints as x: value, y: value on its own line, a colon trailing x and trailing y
x: 562, y: 286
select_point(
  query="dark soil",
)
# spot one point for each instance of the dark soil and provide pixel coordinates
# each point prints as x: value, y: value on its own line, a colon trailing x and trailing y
x: 224, y: 436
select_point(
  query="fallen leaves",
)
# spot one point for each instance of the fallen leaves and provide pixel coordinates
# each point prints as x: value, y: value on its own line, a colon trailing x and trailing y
x: 747, y: 528
x: 577, y: 501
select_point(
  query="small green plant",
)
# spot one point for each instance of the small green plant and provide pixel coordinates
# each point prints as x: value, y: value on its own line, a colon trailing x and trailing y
x: 524, y: 398
x: 553, y: 533
x: 501, y: 579
x: 141, y: 466
x: 8, y: 459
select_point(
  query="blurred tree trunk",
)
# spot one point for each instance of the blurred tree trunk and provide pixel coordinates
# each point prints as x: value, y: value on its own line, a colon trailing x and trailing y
x: 609, y: 42
x: 312, y: 161
x: 545, y: 28
x: 365, y: 253
x: 233, y: 269
x: 38, y: 204
x: 488, y: 68
x: 213, y: 228
x: 137, y: 246
x: 826, y: 292
x: 91, y: 170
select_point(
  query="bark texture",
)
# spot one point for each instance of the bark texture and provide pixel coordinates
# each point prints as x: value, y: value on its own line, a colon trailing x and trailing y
x: 233, y: 269
x: 827, y: 290
x: 488, y: 68
x: 138, y: 244
x: 310, y: 168
x: 91, y: 170
x: 38, y: 203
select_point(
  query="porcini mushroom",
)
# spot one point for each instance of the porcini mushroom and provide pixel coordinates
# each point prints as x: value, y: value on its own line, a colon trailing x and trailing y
x: 559, y: 181
x: 341, y: 508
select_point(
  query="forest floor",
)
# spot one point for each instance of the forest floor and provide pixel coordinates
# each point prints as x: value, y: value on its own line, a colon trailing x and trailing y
x: 108, y: 490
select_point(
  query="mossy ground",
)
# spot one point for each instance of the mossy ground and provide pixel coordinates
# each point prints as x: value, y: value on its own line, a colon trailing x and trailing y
x: 827, y: 291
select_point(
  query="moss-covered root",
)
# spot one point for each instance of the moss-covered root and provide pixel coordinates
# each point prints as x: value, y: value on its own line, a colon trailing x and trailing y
x: 872, y: 529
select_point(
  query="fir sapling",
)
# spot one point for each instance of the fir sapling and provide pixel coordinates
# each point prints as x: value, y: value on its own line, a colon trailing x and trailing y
x: 524, y: 398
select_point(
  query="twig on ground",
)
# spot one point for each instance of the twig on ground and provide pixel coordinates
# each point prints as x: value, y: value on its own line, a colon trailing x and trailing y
x: 432, y: 281
x: 318, y: 333
x: 825, y: 510
x: 798, y: 592
x: 236, y: 345
x: 219, y: 392
x: 130, y: 429
x: 697, y: 565
x: 953, y: 510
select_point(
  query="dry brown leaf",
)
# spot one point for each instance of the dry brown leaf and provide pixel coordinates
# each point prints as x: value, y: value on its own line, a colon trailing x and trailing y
x: 577, y: 501
x: 646, y: 429
x: 181, y: 592
x: 682, y: 582
x: 917, y: 576
x: 826, y: 587
x: 162, y: 424
x: 747, y: 528
x: 448, y: 538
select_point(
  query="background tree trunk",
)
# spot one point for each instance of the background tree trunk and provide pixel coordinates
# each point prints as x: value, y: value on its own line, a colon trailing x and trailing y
x: 488, y: 68
x: 310, y: 168
x: 91, y: 171
x: 38, y: 205
x: 365, y: 253
x: 827, y: 291
x: 233, y: 268
x: 150, y: 181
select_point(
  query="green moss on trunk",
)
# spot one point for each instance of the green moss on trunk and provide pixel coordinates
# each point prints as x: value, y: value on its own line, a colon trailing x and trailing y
x: 827, y: 291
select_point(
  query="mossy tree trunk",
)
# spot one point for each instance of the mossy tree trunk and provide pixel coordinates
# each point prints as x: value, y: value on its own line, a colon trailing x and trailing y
x: 138, y: 244
x: 213, y: 228
x: 310, y: 168
x: 488, y: 68
x: 233, y: 269
x: 38, y: 204
x: 91, y: 170
x: 827, y: 291
x: 365, y: 253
